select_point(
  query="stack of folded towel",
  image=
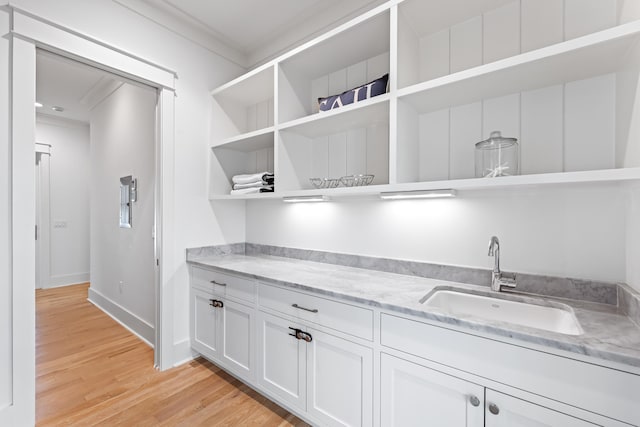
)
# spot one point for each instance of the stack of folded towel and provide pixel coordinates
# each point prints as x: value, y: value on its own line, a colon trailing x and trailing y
x: 261, y: 182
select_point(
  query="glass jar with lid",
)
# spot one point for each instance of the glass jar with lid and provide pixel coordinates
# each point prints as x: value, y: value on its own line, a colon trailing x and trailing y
x: 497, y: 156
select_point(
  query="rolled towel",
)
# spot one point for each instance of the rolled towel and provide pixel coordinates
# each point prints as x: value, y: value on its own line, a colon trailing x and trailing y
x: 246, y: 179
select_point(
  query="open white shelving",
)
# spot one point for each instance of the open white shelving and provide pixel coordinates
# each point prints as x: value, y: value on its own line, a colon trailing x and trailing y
x: 250, y: 141
x: 560, y: 76
x: 589, y: 56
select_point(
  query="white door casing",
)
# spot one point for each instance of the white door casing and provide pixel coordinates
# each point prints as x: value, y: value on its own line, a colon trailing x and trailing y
x: 17, y: 363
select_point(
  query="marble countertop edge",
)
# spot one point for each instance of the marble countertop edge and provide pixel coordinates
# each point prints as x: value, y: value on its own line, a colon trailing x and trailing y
x: 599, y: 345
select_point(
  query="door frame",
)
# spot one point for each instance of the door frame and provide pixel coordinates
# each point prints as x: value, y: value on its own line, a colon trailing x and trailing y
x: 27, y: 33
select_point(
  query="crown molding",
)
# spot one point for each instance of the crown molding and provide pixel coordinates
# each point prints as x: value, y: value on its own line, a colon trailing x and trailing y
x: 187, y: 27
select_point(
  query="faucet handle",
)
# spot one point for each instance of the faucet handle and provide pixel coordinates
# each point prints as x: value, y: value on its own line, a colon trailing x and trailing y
x: 492, y: 245
x: 507, y: 282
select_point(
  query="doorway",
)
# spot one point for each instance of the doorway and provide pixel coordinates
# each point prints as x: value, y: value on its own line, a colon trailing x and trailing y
x: 98, y: 128
x: 26, y: 32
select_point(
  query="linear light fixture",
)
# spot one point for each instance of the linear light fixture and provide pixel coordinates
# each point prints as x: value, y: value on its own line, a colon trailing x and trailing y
x: 421, y: 194
x: 305, y: 199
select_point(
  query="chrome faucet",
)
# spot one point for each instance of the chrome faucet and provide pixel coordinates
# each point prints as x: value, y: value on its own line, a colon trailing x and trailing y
x: 498, y: 278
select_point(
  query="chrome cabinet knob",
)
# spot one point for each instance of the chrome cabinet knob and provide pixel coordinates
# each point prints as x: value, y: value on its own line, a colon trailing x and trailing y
x: 493, y: 408
x: 474, y: 400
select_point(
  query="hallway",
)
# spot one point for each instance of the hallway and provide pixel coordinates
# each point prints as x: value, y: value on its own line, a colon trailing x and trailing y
x: 90, y: 370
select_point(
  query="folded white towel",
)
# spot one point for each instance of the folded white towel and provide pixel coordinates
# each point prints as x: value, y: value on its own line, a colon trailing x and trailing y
x: 249, y: 185
x: 246, y: 179
x: 246, y: 191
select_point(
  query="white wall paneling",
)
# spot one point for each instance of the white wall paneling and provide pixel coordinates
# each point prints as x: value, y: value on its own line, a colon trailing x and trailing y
x: 537, y: 14
x: 542, y: 134
x: 465, y: 130
x: 590, y: 124
x: 588, y: 16
x: 445, y: 37
x: 560, y: 128
x: 466, y: 45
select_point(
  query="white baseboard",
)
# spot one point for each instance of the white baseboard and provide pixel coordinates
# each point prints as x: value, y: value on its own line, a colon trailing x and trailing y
x: 68, y: 279
x: 133, y: 323
x: 182, y: 352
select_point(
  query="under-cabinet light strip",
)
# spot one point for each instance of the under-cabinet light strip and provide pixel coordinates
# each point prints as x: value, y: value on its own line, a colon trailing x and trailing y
x: 422, y: 194
x: 303, y: 199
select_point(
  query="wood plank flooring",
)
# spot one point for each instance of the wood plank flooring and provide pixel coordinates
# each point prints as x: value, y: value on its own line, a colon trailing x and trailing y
x: 92, y: 371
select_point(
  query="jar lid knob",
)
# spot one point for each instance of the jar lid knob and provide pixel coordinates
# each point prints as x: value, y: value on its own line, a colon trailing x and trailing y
x: 496, y: 134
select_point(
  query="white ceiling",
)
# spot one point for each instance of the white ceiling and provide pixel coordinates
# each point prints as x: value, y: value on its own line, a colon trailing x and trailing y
x: 256, y: 29
x: 68, y: 84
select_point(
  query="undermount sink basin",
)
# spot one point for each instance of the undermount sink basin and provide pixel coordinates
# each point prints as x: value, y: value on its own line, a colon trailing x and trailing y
x: 545, y: 315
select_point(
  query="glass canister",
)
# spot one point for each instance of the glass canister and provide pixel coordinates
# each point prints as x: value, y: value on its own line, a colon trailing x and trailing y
x: 497, y: 156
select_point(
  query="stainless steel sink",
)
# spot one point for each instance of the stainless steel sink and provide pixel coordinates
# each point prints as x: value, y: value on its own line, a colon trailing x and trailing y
x: 493, y: 306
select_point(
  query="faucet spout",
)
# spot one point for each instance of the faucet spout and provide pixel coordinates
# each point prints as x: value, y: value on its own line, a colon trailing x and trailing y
x: 497, y: 279
x: 494, y: 251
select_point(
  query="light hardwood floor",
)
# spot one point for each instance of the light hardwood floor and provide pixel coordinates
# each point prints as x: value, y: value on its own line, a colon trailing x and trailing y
x: 92, y: 371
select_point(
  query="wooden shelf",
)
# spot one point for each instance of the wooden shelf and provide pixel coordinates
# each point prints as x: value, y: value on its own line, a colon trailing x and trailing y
x: 611, y: 176
x: 592, y: 55
x: 360, y: 114
x: 256, y: 140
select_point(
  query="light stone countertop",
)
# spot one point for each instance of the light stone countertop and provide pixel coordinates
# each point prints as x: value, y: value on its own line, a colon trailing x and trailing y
x: 608, y: 335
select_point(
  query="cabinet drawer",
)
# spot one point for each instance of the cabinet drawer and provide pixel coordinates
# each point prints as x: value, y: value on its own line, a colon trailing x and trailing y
x: 594, y: 388
x: 342, y: 317
x: 223, y: 284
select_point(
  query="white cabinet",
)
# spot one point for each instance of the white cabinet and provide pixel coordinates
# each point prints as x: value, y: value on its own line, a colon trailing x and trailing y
x: 577, y: 388
x: 507, y: 411
x: 329, y: 378
x: 223, y: 330
x: 283, y: 364
x: 205, y: 329
x: 238, y: 338
x: 414, y: 395
x: 340, y: 381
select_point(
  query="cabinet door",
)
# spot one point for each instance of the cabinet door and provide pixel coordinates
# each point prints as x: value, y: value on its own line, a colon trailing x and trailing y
x: 206, y: 325
x: 282, y: 368
x: 413, y: 395
x: 507, y: 411
x: 340, y: 381
x: 237, y: 338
